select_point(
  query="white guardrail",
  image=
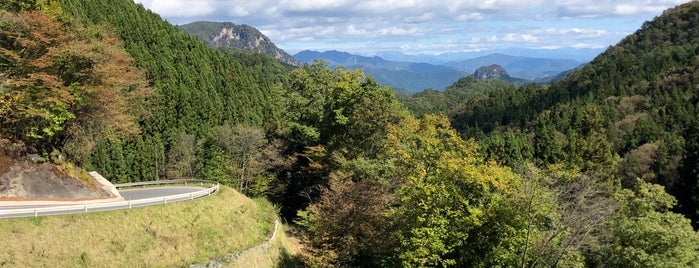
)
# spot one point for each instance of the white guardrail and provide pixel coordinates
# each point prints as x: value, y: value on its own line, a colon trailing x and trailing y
x: 83, y: 208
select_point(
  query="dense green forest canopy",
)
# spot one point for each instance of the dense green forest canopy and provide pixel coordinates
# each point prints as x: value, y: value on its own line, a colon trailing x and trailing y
x: 483, y: 174
x: 630, y: 113
x: 431, y: 101
x: 191, y: 89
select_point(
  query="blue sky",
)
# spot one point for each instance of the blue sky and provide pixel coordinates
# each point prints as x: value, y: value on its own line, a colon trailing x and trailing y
x: 424, y: 26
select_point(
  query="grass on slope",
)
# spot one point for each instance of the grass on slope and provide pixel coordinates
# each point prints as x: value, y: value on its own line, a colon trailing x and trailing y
x: 177, y: 234
x: 280, y: 254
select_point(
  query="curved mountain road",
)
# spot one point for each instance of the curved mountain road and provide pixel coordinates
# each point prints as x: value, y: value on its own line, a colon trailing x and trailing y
x: 144, y: 193
x: 133, y: 198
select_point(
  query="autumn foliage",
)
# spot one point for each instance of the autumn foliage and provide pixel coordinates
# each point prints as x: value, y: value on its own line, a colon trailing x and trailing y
x: 65, y: 84
x: 480, y: 175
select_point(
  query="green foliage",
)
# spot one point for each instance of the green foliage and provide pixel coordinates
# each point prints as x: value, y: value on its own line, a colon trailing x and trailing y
x: 18, y: 6
x: 65, y: 81
x: 628, y: 113
x: 182, y: 160
x: 435, y: 102
x: 248, y: 154
x: 586, y: 137
x: 645, y: 233
x: 216, y: 167
x: 346, y: 109
x: 563, y: 211
x: 196, y: 88
x: 350, y: 224
x: 334, y: 117
x: 374, y: 185
x: 447, y: 195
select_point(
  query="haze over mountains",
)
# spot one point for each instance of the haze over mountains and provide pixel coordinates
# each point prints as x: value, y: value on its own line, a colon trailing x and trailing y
x: 578, y: 54
x: 416, y: 76
x: 397, y: 70
x: 402, y: 75
x: 599, y: 169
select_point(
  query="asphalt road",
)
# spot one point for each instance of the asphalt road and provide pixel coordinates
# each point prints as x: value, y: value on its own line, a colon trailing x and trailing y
x: 144, y: 193
x: 129, y: 195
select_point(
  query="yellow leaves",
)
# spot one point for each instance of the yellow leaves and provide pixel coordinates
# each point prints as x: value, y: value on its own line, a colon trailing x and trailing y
x: 314, y: 154
x: 9, y: 55
x: 435, y: 153
x: 399, y: 133
x: 8, y: 104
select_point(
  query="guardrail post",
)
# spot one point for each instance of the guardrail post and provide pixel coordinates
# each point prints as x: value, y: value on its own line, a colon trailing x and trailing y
x: 36, y: 213
x: 165, y: 200
x: 129, y: 204
x: 85, y: 208
x: 191, y: 196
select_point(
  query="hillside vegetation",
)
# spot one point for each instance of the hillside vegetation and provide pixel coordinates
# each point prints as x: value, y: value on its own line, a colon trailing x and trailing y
x: 486, y: 174
x: 441, y: 102
x: 178, y: 234
x: 172, y: 88
x: 631, y: 113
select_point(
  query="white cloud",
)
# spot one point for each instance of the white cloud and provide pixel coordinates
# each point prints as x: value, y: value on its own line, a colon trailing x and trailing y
x: 311, y: 5
x: 425, y: 10
x: 180, y: 8
x: 474, y: 16
x: 585, y: 9
x: 353, y: 30
x: 426, y: 17
x: 394, y: 31
x: 626, y: 9
x: 424, y: 24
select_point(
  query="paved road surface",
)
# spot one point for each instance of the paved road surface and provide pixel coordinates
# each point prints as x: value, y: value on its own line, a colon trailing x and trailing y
x: 129, y: 195
x: 143, y: 193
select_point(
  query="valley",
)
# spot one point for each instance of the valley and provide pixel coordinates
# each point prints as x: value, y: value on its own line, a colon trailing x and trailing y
x: 491, y: 160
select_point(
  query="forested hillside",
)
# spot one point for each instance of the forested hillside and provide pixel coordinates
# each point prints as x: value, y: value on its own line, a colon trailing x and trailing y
x: 431, y: 101
x: 195, y: 89
x: 631, y: 113
x: 236, y: 37
x: 562, y: 175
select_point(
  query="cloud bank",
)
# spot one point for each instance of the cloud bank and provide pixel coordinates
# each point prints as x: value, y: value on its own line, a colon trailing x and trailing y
x: 422, y: 26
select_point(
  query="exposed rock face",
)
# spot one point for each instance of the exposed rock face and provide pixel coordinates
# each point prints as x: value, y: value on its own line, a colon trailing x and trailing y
x: 245, y: 37
x: 491, y: 72
x: 26, y: 180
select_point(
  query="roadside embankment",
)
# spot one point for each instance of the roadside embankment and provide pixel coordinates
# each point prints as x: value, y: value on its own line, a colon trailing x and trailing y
x: 178, y: 234
x: 23, y: 177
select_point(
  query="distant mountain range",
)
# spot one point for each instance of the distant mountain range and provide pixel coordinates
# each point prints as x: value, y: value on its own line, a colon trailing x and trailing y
x: 523, y: 67
x: 410, y: 76
x: 577, y: 54
x: 243, y: 37
x: 400, y: 71
x: 414, y: 76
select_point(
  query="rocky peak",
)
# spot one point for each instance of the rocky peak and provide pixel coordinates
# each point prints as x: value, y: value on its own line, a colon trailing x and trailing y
x: 244, y: 37
x: 491, y: 72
